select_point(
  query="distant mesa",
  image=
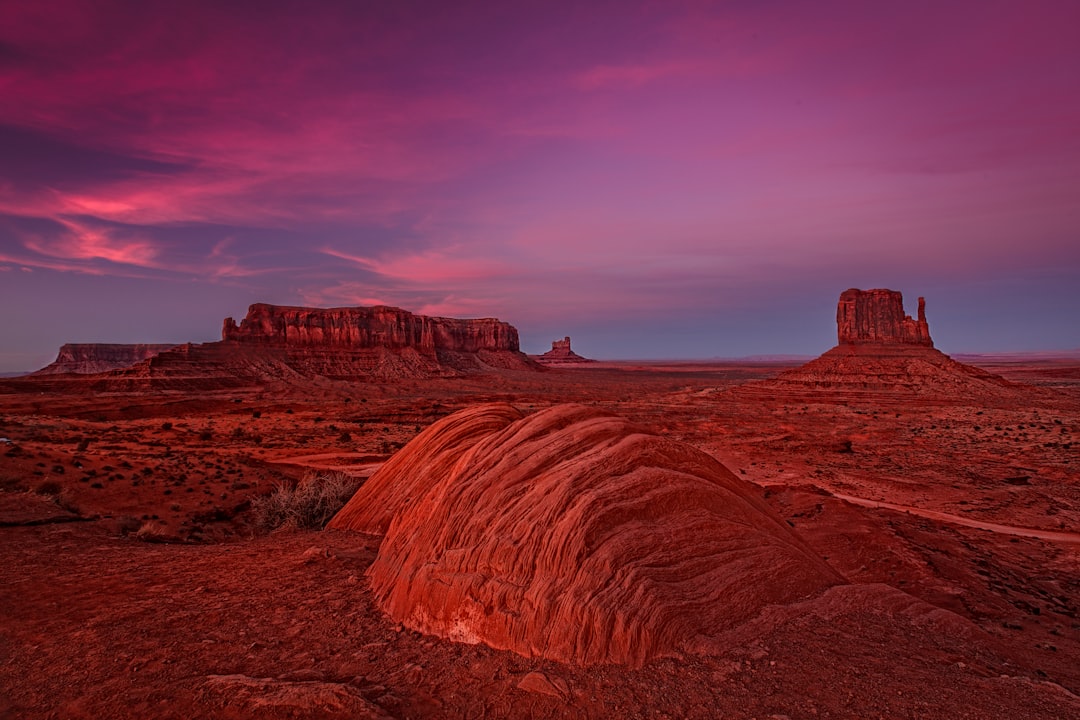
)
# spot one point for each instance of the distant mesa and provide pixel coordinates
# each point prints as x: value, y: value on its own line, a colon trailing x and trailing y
x: 368, y: 328
x: 560, y: 353
x: 573, y: 535
x: 882, y: 349
x: 90, y: 358
x: 296, y: 344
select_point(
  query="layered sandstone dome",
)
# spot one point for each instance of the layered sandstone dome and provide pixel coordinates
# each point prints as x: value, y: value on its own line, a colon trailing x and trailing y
x: 573, y: 535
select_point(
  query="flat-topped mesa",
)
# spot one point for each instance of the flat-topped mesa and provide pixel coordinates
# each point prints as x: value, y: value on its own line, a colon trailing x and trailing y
x: 877, y: 316
x: 90, y: 358
x: 361, y: 328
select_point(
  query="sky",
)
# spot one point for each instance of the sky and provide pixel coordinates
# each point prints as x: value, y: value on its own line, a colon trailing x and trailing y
x: 655, y: 179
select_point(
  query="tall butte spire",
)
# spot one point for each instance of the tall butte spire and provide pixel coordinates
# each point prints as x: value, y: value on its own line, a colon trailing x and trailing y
x: 877, y: 316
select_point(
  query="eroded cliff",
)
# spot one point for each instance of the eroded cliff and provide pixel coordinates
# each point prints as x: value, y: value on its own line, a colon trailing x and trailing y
x: 877, y: 316
x: 365, y: 328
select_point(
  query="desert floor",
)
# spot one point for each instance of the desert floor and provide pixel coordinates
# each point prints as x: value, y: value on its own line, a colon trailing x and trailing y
x: 135, y: 585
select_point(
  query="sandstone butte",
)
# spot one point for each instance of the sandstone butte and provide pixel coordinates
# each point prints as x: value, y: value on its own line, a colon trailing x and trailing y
x: 882, y: 349
x: 572, y: 535
x: 90, y: 358
x: 561, y: 353
x: 296, y: 344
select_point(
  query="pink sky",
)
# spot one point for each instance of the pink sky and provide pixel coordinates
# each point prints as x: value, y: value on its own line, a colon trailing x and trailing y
x: 654, y: 179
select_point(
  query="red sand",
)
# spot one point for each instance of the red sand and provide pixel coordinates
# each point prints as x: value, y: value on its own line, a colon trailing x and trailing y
x: 938, y: 619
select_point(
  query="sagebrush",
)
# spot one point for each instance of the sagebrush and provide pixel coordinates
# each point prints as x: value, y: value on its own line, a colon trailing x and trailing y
x: 309, y: 503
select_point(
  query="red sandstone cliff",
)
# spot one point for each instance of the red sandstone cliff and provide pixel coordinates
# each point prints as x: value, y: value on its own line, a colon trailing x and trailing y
x: 294, y: 344
x: 363, y: 328
x: 90, y: 358
x: 877, y: 316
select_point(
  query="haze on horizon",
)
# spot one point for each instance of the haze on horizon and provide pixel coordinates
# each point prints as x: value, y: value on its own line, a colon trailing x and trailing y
x: 659, y: 179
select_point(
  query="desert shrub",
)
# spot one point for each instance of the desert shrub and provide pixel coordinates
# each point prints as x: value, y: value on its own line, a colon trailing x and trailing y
x: 12, y: 483
x: 49, y: 487
x: 309, y: 503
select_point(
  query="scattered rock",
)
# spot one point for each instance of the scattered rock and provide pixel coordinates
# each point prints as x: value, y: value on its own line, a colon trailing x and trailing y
x: 266, y: 697
x: 538, y: 682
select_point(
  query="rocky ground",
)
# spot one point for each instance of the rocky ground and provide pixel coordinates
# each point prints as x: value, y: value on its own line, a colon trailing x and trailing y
x: 136, y: 584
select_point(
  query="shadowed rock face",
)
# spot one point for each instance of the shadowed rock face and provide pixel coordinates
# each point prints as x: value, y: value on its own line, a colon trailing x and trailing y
x: 877, y: 316
x: 362, y: 328
x: 89, y: 358
x: 573, y: 535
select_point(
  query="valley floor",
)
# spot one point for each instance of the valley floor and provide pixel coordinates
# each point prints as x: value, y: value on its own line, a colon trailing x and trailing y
x: 135, y: 584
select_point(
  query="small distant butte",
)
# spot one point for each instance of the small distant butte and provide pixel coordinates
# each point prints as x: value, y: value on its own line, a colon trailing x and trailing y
x: 561, y: 354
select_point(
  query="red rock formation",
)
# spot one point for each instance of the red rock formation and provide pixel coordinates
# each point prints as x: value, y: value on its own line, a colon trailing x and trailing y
x: 560, y: 353
x: 363, y: 328
x: 572, y: 535
x: 293, y: 344
x: 882, y: 350
x: 89, y: 358
x: 877, y: 316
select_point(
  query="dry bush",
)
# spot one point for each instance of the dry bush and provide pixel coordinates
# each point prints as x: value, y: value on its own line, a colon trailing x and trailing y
x: 49, y: 487
x: 12, y: 483
x: 309, y: 503
x: 150, y: 531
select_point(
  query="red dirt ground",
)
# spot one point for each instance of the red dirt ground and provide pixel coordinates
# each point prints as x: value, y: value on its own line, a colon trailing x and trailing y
x: 136, y: 586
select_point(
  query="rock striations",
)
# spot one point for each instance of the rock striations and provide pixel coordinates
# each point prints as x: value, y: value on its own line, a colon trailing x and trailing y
x: 561, y: 354
x: 883, y: 350
x: 572, y: 535
x: 89, y: 358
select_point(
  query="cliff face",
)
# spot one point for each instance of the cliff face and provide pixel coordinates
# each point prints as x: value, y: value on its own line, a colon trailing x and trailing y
x: 365, y: 328
x: 89, y: 358
x: 877, y: 316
